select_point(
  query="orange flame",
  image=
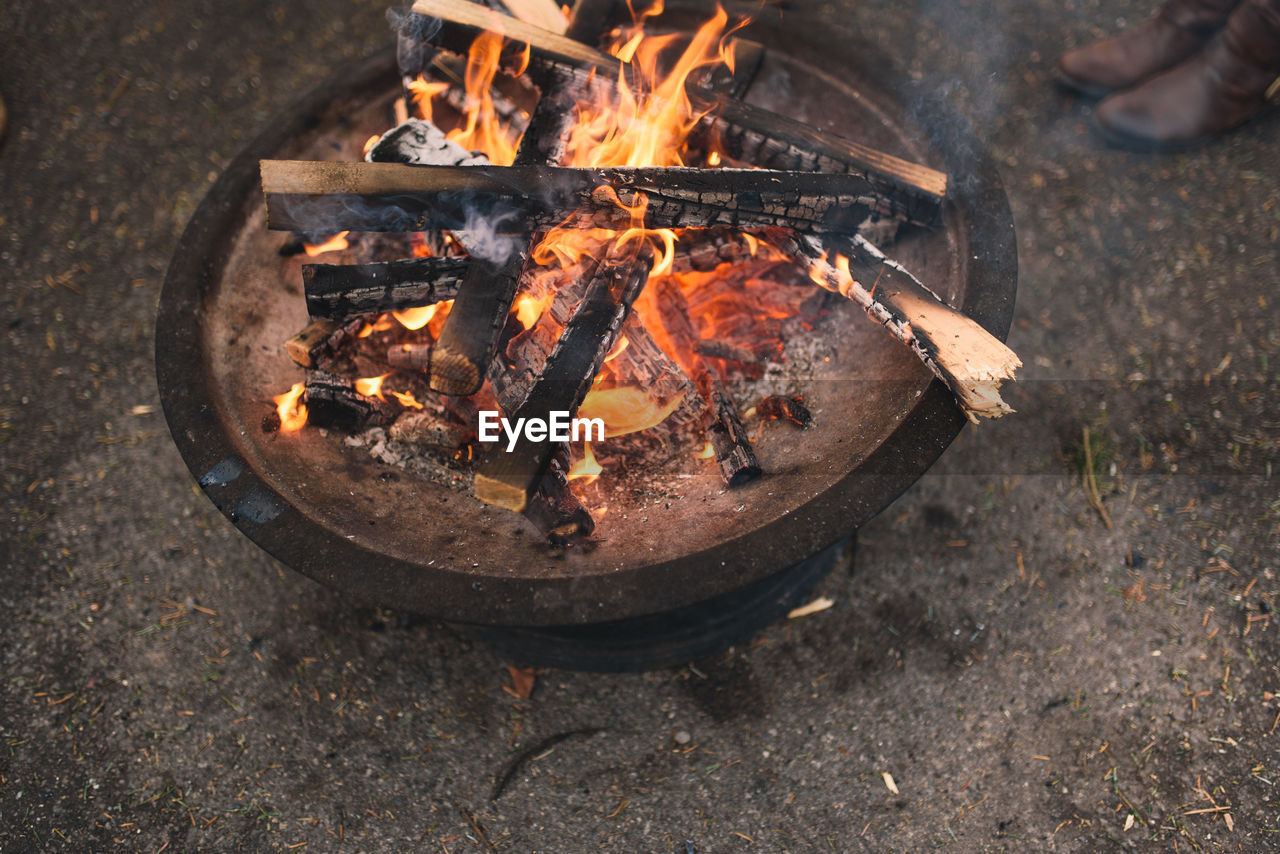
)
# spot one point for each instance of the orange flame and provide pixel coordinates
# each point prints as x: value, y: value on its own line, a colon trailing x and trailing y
x: 407, y: 400
x: 706, y: 453
x: 481, y: 130
x: 529, y: 308
x: 333, y: 244
x: 585, y: 468
x: 371, y: 386
x: 416, y: 318
x: 292, y: 412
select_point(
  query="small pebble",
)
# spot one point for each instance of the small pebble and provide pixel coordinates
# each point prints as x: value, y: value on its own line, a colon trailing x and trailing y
x: 683, y: 737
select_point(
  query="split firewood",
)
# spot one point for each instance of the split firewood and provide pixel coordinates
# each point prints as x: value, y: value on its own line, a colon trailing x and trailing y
x: 731, y: 83
x: 333, y: 402
x: 396, y: 197
x: 734, y: 453
x: 473, y: 330
x: 509, y: 478
x: 305, y: 347
x: 554, y: 509
x: 971, y: 361
x: 418, y: 142
x: 904, y: 189
x: 320, y: 340
x: 337, y: 291
x: 409, y: 357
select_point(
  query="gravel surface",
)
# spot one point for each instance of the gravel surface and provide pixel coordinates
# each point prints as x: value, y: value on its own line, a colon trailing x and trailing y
x: 1002, y: 670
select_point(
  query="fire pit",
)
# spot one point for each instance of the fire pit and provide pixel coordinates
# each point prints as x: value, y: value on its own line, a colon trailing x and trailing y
x: 680, y: 564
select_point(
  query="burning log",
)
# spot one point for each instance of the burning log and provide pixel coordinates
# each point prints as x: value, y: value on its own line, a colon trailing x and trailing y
x: 729, y: 440
x: 393, y: 197
x: 333, y: 402
x: 473, y: 330
x: 337, y: 291
x: 554, y: 509
x: 752, y: 134
x: 971, y: 361
x: 320, y: 340
x: 306, y: 347
x: 509, y: 478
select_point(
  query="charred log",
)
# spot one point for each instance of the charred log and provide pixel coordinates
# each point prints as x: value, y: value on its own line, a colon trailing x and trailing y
x: 554, y: 509
x: 337, y: 291
x: 334, y: 403
x: 395, y: 197
x: 473, y: 330
x: 321, y: 340
x: 591, y: 20
x: 509, y: 478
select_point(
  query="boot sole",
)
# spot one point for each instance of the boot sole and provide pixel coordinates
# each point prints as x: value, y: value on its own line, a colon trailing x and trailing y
x: 1142, y: 145
x: 1079, y: 87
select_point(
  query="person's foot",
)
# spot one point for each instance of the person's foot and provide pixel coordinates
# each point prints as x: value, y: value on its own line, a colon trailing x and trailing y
x: 1235, y: 77
x: 1178, y: 30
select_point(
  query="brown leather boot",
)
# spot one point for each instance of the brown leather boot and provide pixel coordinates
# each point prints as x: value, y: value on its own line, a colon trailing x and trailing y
x: 1178, y: 30
x: 1233, y: 79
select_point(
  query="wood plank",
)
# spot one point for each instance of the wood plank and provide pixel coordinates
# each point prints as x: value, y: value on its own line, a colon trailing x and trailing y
x: 304, y: 195
x: 971, y: 361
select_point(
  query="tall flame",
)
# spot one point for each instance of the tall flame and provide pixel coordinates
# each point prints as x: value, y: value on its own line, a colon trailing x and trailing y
x: 482, y: 130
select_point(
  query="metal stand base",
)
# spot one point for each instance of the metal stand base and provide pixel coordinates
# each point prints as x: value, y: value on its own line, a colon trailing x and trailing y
x: 671, y: 638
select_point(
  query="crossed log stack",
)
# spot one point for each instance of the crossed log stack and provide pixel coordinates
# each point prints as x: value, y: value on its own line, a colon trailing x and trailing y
x: 807, y: 196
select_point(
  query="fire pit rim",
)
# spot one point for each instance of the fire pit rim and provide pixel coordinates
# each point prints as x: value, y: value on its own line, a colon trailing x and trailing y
x: 259, y: 511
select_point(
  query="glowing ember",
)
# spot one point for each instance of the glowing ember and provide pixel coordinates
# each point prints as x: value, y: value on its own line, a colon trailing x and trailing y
x: 370, y: 143
x: 371, y: 386
x: 292, y: 412
x: 706, y: 453
x: 586, y: 468
x: 333, y: 244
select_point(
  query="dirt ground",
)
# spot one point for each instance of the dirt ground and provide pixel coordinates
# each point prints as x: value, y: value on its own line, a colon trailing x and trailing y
x: 1002, y: 669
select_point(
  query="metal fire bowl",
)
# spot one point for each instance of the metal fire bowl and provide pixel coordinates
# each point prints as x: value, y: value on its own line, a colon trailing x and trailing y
x: 386, y: 536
